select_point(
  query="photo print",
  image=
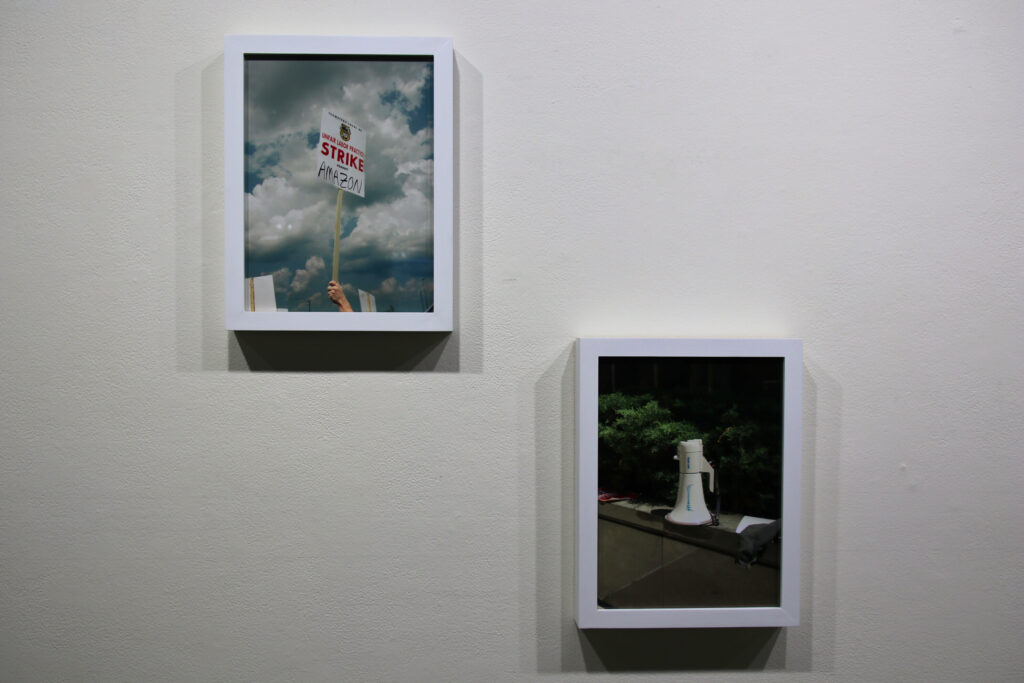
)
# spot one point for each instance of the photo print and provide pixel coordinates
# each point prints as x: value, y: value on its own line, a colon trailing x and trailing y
x: 339, y: 182
x: 690, y: 482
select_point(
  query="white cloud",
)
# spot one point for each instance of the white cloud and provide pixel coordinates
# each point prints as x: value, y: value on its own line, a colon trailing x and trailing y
x: 281, y: 278
x: 314, y: 265
x: 286, y: 97
x: 280, y: 215
x: 400, y: 230
x: 411, y: 287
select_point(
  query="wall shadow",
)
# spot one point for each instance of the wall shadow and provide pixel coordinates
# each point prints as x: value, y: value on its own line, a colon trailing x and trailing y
x: 343, y: 352
x: 467, y: 235
x: 813, y: 647
x: 547, y: 533
x: 662, y: 650
x: 199, y: 216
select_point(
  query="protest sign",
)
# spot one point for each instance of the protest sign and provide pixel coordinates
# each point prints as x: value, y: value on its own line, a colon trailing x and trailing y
x: 341, y: 154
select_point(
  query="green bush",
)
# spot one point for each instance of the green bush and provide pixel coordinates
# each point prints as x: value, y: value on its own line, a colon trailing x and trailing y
x: 638, y: 434
x: 636, y: 442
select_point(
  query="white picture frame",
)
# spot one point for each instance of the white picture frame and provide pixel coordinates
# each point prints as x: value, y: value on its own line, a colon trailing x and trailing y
x: 429, y: 298
x: 697, y: 368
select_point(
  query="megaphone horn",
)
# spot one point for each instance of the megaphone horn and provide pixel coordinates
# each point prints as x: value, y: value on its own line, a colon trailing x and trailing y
x: 690, y: 509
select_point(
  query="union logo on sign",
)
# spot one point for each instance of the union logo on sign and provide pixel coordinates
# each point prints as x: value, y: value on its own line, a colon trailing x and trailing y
x: 346, y: 133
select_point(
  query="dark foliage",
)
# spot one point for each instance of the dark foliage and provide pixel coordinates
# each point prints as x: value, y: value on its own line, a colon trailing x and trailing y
x: 741, y: 431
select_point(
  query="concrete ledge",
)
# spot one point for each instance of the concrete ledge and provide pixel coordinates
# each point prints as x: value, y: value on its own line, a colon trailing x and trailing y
x: 722, y: 538
x: 646, y: 562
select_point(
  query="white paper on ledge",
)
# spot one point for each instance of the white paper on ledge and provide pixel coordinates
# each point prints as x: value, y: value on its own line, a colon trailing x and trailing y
x: 750, y: 521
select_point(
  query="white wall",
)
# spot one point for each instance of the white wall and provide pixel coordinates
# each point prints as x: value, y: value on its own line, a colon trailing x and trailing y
x: 400, y: 508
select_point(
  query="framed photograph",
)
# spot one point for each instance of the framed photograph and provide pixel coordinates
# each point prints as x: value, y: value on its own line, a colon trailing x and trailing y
x: 338, y: 183
x: 689, y: 483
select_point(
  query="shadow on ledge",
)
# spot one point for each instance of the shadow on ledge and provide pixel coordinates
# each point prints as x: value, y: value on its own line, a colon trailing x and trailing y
x: 684, y: 649
x: 345, y: 352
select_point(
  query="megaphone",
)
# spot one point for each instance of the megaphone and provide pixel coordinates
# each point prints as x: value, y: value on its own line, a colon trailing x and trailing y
x: 690, y: 509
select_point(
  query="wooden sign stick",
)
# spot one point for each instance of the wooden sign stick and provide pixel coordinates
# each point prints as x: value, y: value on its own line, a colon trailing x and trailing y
x: 337, y: 238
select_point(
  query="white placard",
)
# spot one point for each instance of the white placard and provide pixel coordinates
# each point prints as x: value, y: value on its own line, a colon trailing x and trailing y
x: 367, y: 302
x: 259, y: 294
x: 341, y: 155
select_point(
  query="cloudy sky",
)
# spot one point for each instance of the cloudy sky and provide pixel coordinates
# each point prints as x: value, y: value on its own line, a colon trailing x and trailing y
x: 387, y: 236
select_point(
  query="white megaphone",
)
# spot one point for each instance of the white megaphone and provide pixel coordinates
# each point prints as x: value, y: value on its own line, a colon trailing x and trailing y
x: 690, y: 508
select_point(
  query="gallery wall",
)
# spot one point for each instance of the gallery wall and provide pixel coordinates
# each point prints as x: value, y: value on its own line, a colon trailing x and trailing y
x: 183, y: 503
